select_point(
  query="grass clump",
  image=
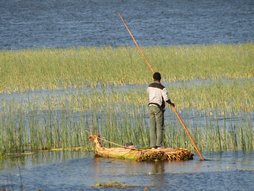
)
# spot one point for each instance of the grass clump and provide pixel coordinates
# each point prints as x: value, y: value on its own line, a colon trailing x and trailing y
x: 114, y: 185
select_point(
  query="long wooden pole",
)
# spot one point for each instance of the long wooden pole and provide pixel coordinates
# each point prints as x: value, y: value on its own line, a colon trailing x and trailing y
x: 188, y: 133
x: 140, y: 51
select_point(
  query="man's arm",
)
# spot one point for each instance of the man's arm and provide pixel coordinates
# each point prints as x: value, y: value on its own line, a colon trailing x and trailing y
x: 165, y: 97
x: 170, y: 103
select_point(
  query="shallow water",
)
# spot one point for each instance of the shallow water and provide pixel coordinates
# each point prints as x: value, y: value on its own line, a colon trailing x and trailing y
x: 81, y: 171
x: 60, y: 92
x: 193, y: 118
x: 65, y: 23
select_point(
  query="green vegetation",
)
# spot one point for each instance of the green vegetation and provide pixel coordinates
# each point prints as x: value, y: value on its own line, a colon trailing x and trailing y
x: 113, y: 185
x: 52, y: 68
x: 66, y: 120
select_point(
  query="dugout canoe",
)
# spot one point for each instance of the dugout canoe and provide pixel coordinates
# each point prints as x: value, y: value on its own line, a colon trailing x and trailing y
x: 131, y: 153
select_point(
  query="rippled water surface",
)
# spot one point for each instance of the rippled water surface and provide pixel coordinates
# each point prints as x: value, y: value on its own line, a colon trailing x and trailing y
x: 72, y: 23
x: 81, y: 171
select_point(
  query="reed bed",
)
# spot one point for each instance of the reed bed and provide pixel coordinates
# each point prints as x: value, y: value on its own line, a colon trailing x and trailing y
x: 66, y: 121
x: 115, y: 107
x: 53, y: 68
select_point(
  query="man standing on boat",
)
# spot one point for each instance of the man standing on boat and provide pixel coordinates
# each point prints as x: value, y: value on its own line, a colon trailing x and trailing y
x: 157, y: 98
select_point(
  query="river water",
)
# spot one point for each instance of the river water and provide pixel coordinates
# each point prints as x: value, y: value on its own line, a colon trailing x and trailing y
x: 81, y: 171
x: 73, y: 23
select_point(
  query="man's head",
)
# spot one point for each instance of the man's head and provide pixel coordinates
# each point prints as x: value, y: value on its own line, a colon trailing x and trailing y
x: 157, y: 76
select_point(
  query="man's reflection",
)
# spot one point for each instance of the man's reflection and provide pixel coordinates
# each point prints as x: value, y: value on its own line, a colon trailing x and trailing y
x: 158, y: 178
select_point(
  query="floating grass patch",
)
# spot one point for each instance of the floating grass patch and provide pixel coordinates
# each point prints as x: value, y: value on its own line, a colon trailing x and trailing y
x: 113, y: 185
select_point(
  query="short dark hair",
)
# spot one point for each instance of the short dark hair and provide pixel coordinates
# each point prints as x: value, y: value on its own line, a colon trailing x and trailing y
x: 157, y: 76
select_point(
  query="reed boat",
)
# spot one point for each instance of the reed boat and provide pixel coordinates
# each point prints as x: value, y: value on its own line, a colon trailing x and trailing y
x: 132, y: 153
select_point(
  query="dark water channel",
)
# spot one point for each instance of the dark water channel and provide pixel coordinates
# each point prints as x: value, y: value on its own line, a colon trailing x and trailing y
x: 81, y: 171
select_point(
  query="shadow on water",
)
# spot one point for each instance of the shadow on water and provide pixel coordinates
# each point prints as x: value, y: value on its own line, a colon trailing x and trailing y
x: 81, y: 171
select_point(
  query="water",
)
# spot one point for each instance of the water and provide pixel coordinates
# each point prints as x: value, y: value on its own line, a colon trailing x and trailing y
x: 81, y: 171
x: 61, y: 92
x: 192, y: 117
x: 73, y: 23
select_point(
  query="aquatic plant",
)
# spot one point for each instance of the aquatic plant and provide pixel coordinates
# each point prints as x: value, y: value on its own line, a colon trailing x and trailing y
x: 53, y: 68
x: 114, y: 185
x: 66, y: 122
x: 120, y: 116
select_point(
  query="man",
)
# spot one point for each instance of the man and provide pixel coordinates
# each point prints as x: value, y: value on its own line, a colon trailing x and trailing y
x: 157, y: 98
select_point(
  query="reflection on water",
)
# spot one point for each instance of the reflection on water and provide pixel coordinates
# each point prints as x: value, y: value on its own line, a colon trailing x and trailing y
x: 81, y: 171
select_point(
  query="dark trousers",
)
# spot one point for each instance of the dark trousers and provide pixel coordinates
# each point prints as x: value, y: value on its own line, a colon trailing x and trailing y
x: 156, y: 125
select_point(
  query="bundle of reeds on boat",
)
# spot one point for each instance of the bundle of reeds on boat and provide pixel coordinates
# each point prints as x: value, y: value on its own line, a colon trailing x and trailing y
x: 132, y: 153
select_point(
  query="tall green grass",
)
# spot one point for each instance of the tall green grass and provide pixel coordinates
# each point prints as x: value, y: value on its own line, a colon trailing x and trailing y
x: 121, y: 116
x: 53, y: 68
x: 236, y: 95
